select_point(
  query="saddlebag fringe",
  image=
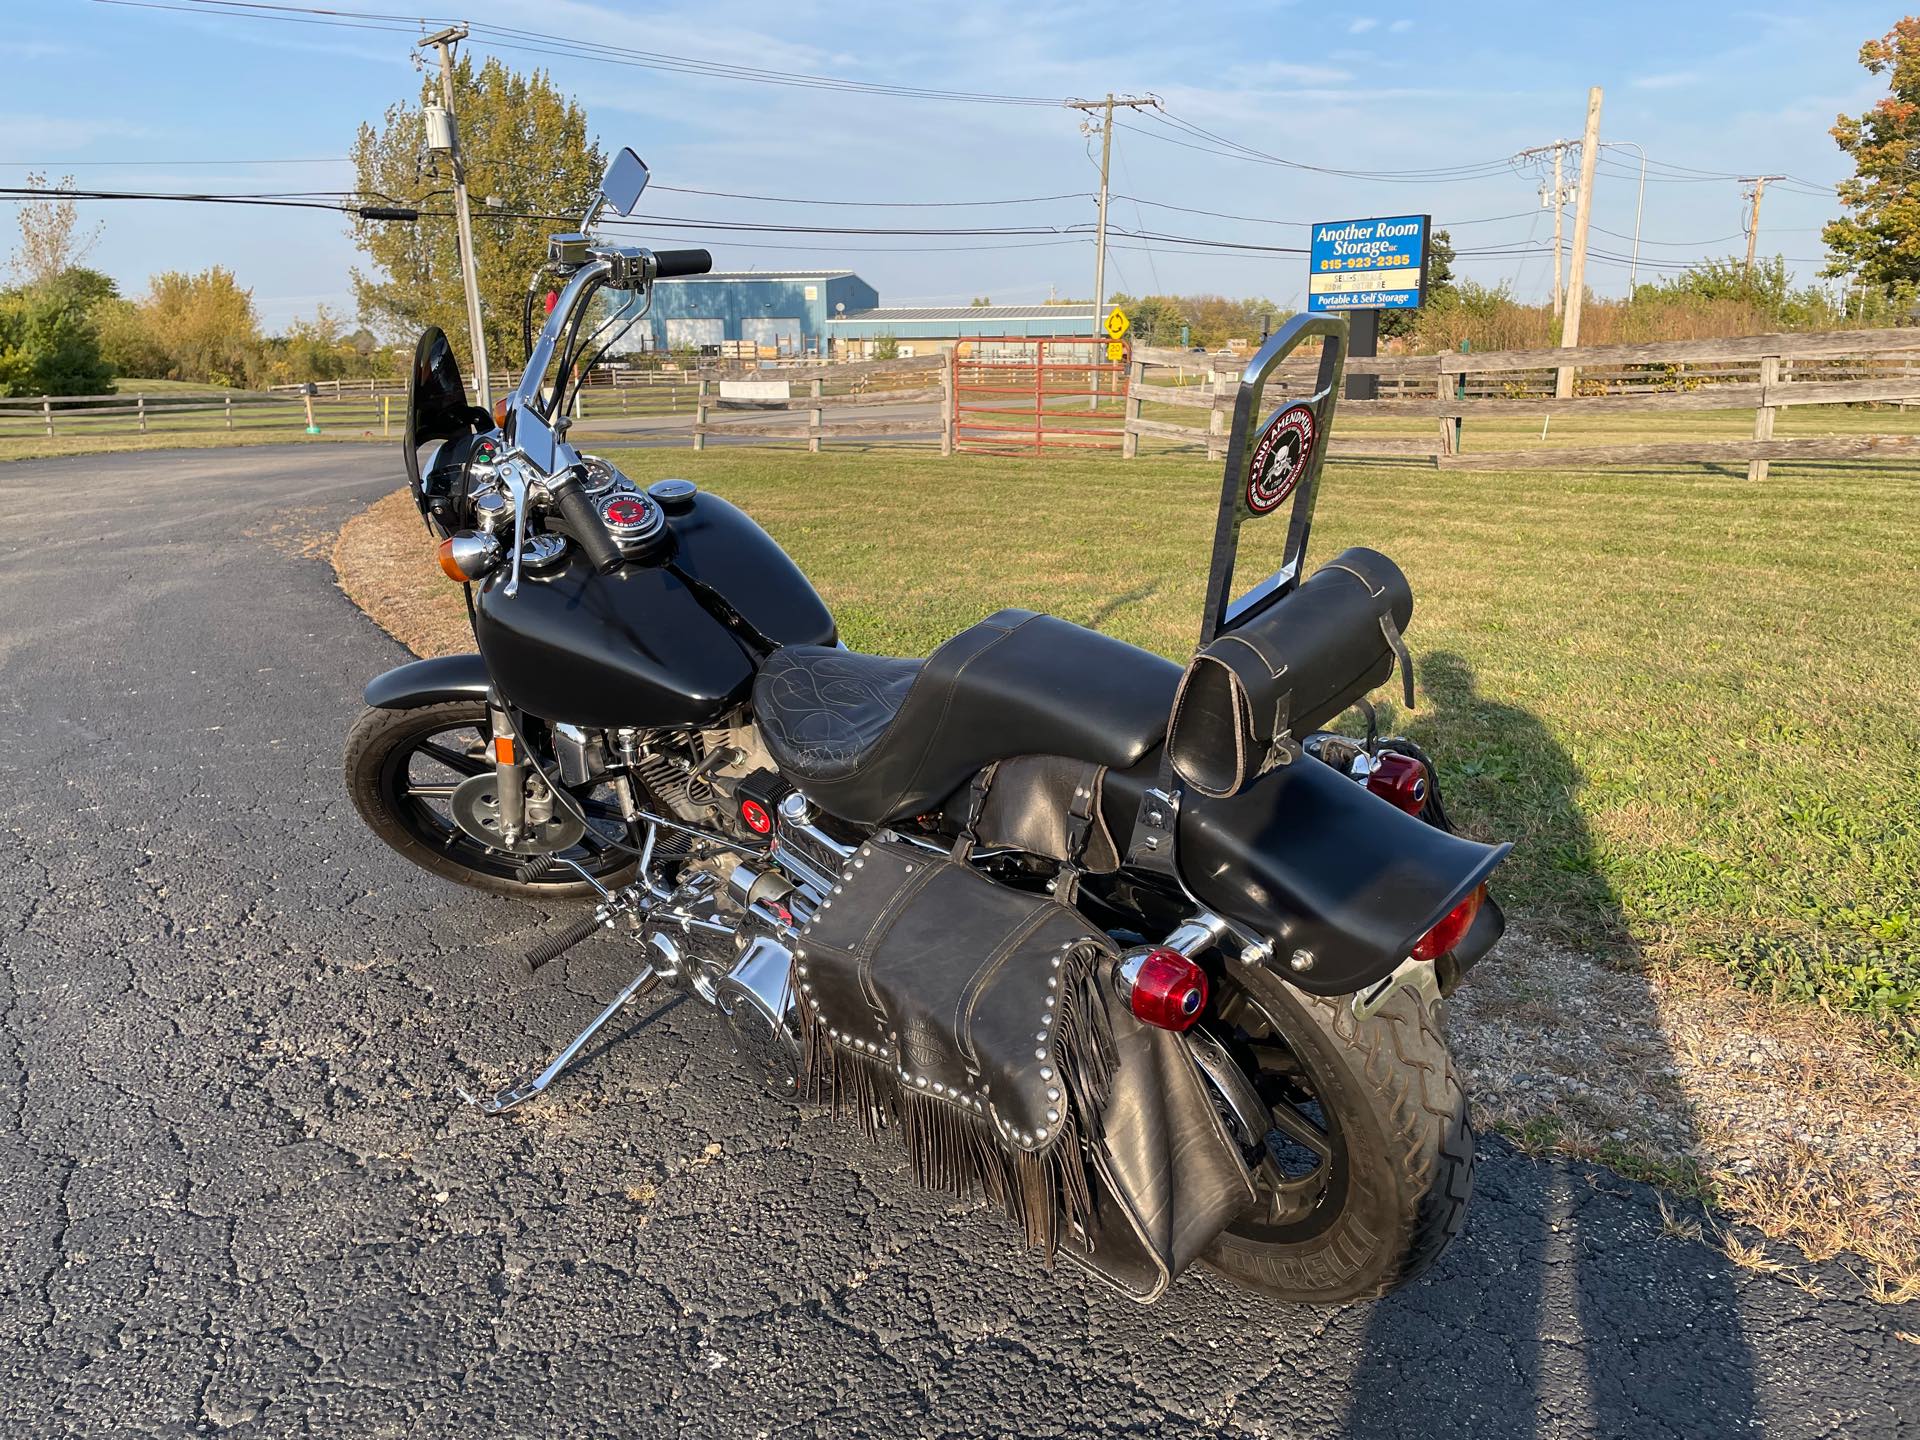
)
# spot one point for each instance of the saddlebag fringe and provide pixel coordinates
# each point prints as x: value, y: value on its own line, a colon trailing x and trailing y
x: 979, y: 1024
x: 954, y: 1149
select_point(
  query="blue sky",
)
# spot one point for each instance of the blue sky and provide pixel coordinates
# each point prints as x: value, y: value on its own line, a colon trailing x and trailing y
x: 1361, y: 86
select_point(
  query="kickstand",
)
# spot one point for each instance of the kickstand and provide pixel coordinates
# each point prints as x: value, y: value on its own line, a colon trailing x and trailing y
x: 527, y: 1089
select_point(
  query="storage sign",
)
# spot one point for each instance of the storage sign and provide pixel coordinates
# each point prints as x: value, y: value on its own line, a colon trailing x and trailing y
x: 1378, y: 264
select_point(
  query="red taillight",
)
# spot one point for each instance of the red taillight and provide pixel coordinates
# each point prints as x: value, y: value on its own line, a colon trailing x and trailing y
x: 1399, y: 780
x: 1452, y: 929
x: 1163, y: 988
x: 754, y: 814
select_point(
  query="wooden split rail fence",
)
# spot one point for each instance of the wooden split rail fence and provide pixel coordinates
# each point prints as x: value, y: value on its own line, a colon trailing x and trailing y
x: 187, y: 412
x: 1175, y: 400
x: 1761, y: 373
x: 856, y: 385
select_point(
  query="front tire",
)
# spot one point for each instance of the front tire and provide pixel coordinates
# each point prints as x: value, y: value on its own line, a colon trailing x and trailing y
x: 398, y: 762
x: 1380, y: 1107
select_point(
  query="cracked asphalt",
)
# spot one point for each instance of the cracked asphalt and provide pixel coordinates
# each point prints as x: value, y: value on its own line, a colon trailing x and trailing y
x: 244, y: 1192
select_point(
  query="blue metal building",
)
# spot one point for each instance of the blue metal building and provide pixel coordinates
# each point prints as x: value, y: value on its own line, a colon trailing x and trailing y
x: 779, y: 311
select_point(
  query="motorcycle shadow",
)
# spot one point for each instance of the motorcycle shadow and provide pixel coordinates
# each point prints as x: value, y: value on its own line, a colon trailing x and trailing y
x: 1570, y: 1305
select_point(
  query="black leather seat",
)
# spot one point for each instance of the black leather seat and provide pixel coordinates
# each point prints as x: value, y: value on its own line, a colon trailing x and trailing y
x: 873, y: 739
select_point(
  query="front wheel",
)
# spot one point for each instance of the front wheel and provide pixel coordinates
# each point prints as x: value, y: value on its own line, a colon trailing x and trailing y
x: 404, y: 769
x: 1368, y: 1166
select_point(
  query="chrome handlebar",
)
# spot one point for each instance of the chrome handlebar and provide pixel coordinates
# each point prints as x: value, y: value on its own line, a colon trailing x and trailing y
x: 536, y: 447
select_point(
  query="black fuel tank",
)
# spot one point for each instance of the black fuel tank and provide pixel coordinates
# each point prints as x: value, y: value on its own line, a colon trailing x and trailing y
x: 642, y: 646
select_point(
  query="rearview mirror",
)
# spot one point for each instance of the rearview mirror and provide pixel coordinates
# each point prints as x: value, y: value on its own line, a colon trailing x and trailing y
x: 626, y: 179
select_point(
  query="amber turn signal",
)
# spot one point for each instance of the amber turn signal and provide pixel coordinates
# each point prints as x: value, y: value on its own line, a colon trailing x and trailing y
x: 469, y: 555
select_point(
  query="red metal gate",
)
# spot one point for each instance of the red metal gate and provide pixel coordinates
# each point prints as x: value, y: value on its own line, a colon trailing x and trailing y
x: 1015, y: 396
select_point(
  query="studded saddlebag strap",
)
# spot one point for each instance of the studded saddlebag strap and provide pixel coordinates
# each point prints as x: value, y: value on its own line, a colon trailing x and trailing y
x: 979, y: 1022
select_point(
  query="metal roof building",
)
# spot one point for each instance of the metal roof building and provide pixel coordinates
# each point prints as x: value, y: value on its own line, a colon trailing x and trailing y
x: 782, y: 312
x: 854, y: 332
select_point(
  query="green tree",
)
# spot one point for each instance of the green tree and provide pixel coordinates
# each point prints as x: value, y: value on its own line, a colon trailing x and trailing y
x: 1879, y: 240
x: 1156, y: 319
x: 886, y: 346
x: 1440, y: 288
x: 48, y: 344
x: 203, y: 325
x: 525, y: 145
x: 126, y: 344
x: 86, y: 288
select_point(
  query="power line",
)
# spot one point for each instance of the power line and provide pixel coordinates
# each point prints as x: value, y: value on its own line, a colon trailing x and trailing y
x: 1488, y: 166
x: 503, y: 37
x: 1078, y: 233
x: 1236, y: 151
x: 879, y: 204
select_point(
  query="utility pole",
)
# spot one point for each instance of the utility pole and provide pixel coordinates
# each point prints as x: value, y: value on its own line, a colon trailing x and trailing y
x: 1582, y: 218
x: 1555, y: 196
x: 1559, y: 212
x: 444, y: 41
x: 1105, y: 127
x: 1759, y: 183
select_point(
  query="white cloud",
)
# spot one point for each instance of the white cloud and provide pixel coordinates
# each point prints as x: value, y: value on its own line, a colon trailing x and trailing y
x: 34, y: 49
x: 1400, y: 27
x: 1362, y: 25
x: 51, y: 133
x: 1671, y: 80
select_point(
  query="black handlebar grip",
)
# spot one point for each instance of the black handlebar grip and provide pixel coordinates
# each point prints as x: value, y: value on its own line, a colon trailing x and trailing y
x: 669, y: 263
x: 577, y: 509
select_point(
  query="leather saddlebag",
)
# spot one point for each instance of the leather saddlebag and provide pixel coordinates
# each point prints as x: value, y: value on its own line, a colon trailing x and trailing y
x: 979, y: 1024
x: 1045, y: 805
x: 1250, y: 695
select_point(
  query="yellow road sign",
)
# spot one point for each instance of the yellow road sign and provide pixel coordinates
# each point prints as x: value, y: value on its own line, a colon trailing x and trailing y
x: 1116, y: 323
x: 1116, y: 352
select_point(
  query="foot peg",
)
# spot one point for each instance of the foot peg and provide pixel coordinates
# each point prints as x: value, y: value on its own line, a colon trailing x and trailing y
x: 554, y: 946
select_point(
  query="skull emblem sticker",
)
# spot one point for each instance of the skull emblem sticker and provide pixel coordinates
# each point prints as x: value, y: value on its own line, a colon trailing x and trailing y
x: 1280, y: 459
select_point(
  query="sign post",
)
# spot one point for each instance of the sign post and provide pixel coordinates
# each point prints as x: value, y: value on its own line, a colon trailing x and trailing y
x: 1364, y: 267
x: 1116, y: 325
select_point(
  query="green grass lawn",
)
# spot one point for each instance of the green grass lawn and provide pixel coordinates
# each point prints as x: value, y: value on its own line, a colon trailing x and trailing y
x: 1689, y: 701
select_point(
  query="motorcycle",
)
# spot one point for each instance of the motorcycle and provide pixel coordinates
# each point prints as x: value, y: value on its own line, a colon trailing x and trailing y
x: 1141, y: 952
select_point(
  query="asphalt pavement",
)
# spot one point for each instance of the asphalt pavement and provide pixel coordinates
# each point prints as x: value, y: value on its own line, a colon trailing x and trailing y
x: 242, y: 1190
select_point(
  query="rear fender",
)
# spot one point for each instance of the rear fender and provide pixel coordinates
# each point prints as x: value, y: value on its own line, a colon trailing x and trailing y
x: 1341, y: 882
x: 430, y: 682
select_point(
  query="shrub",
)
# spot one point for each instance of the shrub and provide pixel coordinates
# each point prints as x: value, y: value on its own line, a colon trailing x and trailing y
x: 48, y: 344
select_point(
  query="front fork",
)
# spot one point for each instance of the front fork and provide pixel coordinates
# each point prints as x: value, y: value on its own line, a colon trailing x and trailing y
x: 521, y: 805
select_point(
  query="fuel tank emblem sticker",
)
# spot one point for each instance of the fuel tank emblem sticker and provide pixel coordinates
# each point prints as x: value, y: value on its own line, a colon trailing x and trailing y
x: 1280, y: 459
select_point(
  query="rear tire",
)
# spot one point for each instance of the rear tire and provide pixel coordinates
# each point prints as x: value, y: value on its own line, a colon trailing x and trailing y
x: 382, y: 747
x: 1393, y: 1193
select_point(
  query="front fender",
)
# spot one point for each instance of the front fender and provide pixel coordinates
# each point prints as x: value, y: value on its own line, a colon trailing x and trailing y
x: 429, y: 682
x: 1313, y: 862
